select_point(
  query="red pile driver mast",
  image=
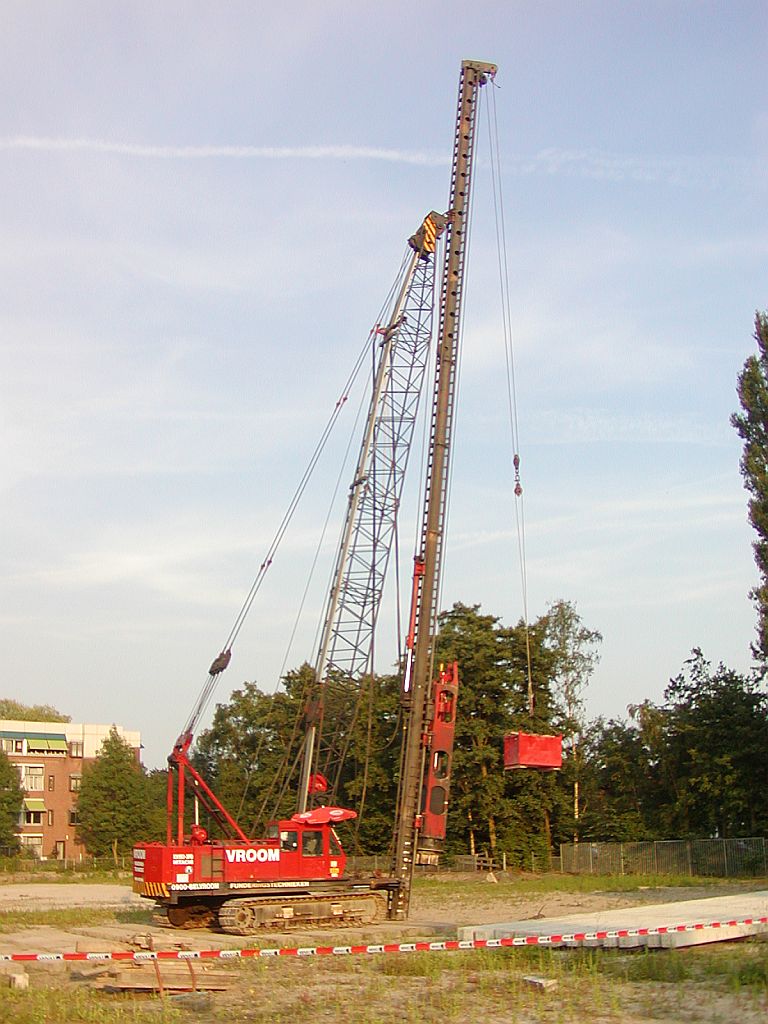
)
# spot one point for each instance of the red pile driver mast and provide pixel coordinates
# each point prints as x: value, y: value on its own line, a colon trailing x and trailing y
x: 427, y: 709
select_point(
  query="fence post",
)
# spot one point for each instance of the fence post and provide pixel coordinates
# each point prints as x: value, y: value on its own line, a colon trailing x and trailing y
x: 725, y: 857
x: 621, y: 857
x: 655, y: 859
x: 690, y: 859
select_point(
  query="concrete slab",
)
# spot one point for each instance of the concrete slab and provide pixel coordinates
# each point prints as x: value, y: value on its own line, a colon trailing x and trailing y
x: 710, y: 916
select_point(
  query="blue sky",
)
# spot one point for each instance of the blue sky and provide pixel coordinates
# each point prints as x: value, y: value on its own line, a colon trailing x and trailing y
x: 202, y: 207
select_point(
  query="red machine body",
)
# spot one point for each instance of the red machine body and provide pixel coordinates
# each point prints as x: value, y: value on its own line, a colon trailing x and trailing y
x: 199, y: 881
x: 530, y: 750
x: 294, y: 855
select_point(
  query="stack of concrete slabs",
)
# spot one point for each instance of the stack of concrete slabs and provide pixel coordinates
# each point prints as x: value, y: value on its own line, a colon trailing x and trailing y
x: 656, y: 926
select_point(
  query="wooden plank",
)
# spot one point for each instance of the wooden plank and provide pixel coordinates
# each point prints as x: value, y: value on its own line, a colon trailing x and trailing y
x: 150, y: 985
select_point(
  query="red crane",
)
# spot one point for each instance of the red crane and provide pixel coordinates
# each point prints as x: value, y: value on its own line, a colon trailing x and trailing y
x: 296, y: 872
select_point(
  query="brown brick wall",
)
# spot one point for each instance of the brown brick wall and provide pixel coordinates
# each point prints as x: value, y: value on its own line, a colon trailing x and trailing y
x: 51, y: 777
x: 59, y: 800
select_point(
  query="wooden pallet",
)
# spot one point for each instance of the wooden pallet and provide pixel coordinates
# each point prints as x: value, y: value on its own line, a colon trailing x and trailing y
x: 182, y: 977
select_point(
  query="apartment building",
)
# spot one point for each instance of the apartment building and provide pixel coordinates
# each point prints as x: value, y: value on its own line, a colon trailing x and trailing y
x: 50, y: 757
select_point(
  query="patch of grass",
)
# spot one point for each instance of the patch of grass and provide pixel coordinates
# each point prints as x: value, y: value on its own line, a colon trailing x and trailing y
x: 733, y: 966
x: 724, y: 982
x: 751, y: 975
x: 412, y: 965
x: 80, y: 1006
x: 555, y: 882
x: 422, y: 988
x: 666, y: 965
x: 743, y: 965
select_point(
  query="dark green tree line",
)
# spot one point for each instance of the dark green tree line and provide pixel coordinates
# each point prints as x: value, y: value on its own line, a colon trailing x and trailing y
x: 16, y: 711
x: 253, y: 738
x: 693, y: 766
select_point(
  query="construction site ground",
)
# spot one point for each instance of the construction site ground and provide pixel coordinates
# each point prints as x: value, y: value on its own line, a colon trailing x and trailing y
x: 442, y: 987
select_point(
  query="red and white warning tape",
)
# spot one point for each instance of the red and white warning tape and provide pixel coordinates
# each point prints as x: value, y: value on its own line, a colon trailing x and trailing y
x: 393, y: 947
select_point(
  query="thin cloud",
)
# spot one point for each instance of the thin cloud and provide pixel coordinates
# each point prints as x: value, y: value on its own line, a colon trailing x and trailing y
x: 54, y: 145
x: 617, y: 167
x: 551, y: 161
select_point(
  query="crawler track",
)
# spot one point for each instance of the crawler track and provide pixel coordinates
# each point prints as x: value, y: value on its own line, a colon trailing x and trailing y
x: 195, y: 915
x: 250, y: 915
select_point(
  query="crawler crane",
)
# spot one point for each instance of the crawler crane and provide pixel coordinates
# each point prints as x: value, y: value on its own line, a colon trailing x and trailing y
x: 295, y: 873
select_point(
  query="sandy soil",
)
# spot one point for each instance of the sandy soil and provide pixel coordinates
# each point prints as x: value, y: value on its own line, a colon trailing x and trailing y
x: 63, y: 896
x: 432, y: 916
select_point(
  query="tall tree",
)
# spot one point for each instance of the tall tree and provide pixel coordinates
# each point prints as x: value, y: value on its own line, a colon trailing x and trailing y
x: 752, y: 426
x: 576, y: 653
x: 11, y: 799
x: 369, y: 780
x: 492, y: 809
x: 477, y: 642
x: 115, y: 803
x: 617, y: 783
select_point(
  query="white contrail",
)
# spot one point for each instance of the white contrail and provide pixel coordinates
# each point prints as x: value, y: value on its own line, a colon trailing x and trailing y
x: 594, y: 164
x: 34, y: 142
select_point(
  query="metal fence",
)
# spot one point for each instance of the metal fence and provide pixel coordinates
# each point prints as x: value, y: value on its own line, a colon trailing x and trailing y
x: 448, y: 862
x: 12, y: 861
x: 719, y: 858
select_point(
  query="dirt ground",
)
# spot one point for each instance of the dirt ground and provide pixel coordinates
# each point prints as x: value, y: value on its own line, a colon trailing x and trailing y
x: 441, y: 988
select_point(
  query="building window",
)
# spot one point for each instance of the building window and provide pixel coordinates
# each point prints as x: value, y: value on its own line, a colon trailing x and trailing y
x: 33, y: 817
x: 18, y: 746
x: 75, y: 781
x: 73, y: 818
x: 7, y: 746
x: 50, y: 819
x: 33, y: 779
x: 51, y: 783
x: 76, y: 748
x: 32, y: 844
